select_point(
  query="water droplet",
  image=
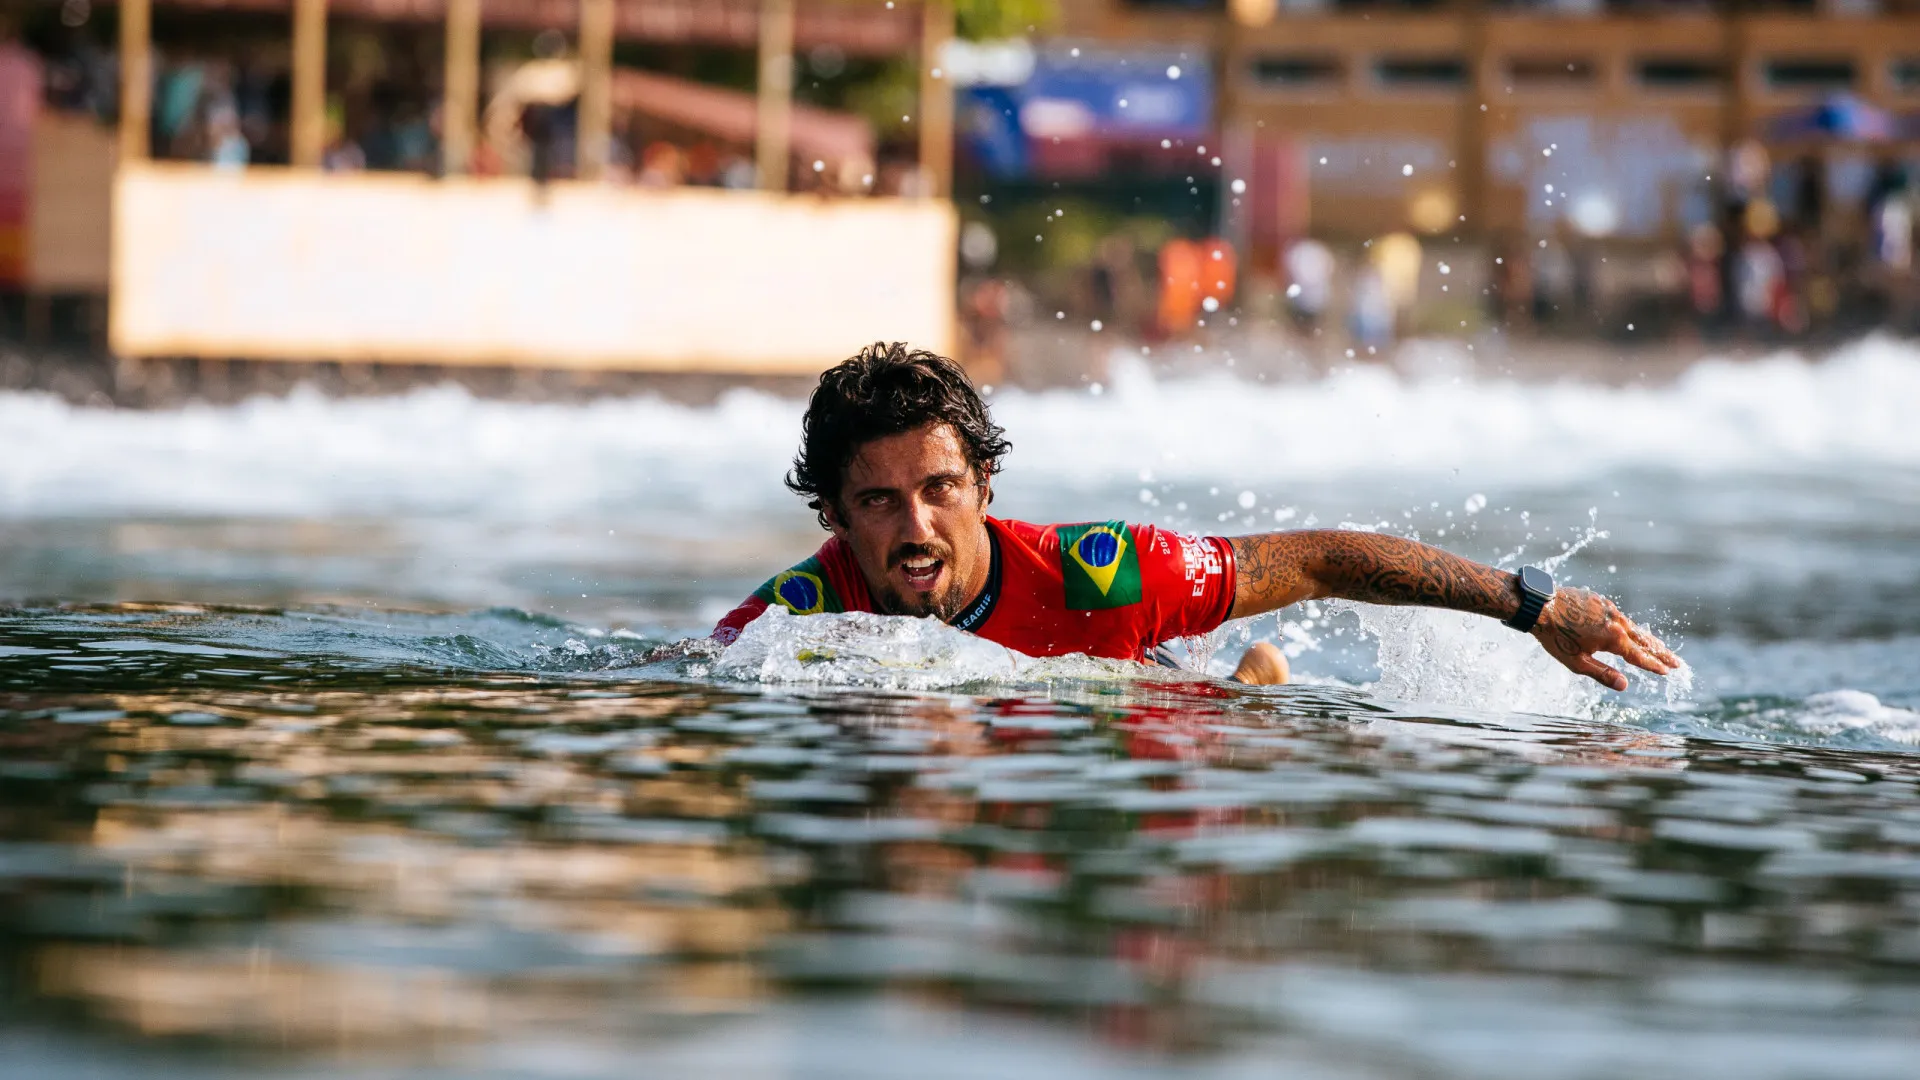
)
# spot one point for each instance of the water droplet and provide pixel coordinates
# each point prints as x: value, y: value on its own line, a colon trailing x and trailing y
x: 1246, y: 500
x: 1239, y: 187
x: 1406, y: 170
x: 1097, y: 326
x: 1173, y: 71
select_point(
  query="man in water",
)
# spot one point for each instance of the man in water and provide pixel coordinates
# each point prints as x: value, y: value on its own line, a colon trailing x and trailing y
x: 898, y: 457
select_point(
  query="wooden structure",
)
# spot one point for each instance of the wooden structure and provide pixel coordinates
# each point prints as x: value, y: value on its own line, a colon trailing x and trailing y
x: 461, y: 270
x: 775, y: 27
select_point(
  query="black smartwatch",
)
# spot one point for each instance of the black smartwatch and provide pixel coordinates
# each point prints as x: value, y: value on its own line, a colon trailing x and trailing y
x: 1536, y: 588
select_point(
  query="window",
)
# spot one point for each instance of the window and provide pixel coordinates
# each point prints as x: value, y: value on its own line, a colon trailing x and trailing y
x: 1418, y: 72
x: 1297, y: 71
x: 1810, y: 74
x: 1548, y: 73
x: 1679, y: 73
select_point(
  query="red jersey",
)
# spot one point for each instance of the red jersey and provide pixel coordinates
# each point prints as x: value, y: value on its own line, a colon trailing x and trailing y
x: 1103, y: 588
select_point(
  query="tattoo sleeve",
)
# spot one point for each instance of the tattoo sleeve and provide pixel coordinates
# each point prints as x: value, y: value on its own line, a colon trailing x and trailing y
x: 1277, y: 569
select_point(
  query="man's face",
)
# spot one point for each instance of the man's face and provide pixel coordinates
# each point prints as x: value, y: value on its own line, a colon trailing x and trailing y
x: 915, y: 516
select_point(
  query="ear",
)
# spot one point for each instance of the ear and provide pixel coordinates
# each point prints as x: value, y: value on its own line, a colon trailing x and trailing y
x: 835, y: 523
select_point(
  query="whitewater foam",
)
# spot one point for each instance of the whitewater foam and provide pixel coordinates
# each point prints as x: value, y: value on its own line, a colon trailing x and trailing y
x: 1426, y: 657
x: 892, y: 653
x: 440, y: 451
x: 1846, y: 712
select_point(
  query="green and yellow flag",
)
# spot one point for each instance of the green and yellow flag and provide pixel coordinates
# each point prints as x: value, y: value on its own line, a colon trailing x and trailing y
x: 803, y: 590
x: 1099, y: 566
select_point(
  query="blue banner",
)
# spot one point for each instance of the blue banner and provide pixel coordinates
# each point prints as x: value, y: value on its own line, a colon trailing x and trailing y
x: 1110, y: 96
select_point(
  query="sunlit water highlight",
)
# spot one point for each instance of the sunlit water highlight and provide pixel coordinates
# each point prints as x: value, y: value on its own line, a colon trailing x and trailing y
x: 435, y: 794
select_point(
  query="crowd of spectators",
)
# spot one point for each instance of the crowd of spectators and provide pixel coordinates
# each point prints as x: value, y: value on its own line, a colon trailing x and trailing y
x: 233, y: 112
x: 1780, y: 256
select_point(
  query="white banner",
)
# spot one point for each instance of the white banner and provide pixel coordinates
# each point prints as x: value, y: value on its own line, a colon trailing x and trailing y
x: 283, y: 264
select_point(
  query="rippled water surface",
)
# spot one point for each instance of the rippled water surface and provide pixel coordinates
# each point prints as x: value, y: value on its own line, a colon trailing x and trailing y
x: 360, y: 739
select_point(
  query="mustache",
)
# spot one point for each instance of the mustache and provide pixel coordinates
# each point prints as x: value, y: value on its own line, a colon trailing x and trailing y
x: 916, y: 551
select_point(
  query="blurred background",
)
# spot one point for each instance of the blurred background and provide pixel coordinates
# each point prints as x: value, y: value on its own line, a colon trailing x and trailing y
x: 193, y: 186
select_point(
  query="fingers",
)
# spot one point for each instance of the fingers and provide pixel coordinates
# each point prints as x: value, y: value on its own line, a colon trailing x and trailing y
x: 1655, y: 646
x: 1606, y: 675
x: 1645, y: 661
x: 1634, y: 650
x: 1637, y: 646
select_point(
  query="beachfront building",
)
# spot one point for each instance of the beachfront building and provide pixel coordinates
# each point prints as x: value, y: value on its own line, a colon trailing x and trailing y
x: 1589, y: 147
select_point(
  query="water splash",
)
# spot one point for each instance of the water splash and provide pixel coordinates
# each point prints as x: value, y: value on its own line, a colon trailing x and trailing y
x: 1433, y: 657
x: 894, y: 653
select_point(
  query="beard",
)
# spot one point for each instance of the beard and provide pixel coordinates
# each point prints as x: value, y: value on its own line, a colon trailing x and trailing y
x: 943, y: 603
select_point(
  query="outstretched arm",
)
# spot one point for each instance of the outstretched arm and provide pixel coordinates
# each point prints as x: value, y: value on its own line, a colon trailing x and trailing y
x: 1278, y: 569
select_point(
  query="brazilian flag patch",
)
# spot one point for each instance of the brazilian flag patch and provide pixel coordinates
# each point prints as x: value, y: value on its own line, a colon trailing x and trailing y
x: 1099, y: 566
x: 802, y: 590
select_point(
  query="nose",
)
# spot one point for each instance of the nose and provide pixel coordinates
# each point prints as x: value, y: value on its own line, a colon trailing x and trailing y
x: 919, y: 524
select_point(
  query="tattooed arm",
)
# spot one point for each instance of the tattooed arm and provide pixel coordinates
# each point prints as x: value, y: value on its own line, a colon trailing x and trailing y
x: 1278, y: 569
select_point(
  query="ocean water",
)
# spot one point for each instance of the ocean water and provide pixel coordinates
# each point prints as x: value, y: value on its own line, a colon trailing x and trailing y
x: 365, y: 737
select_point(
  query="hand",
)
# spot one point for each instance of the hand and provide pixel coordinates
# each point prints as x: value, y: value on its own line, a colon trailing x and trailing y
x: 1576, y: 624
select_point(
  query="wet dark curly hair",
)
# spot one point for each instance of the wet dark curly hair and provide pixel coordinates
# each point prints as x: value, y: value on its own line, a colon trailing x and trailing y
x: 884, y: 390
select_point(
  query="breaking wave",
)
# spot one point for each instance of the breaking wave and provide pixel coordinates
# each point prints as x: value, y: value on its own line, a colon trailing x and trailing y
x: 441, y: 451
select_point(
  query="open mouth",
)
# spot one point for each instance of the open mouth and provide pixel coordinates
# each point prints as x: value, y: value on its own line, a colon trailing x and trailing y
x: 921, y: 572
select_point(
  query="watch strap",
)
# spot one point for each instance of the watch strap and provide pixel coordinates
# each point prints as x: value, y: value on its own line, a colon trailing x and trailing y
x: 1532, y: 603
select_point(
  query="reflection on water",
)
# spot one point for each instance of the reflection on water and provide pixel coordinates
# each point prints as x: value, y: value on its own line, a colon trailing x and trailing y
x: 251, y: 853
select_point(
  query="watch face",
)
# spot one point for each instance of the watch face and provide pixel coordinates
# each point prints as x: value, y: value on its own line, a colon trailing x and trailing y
x: 1535, y: 580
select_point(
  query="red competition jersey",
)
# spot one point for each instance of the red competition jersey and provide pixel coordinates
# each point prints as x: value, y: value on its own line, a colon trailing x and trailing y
x: 1103, y: 588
